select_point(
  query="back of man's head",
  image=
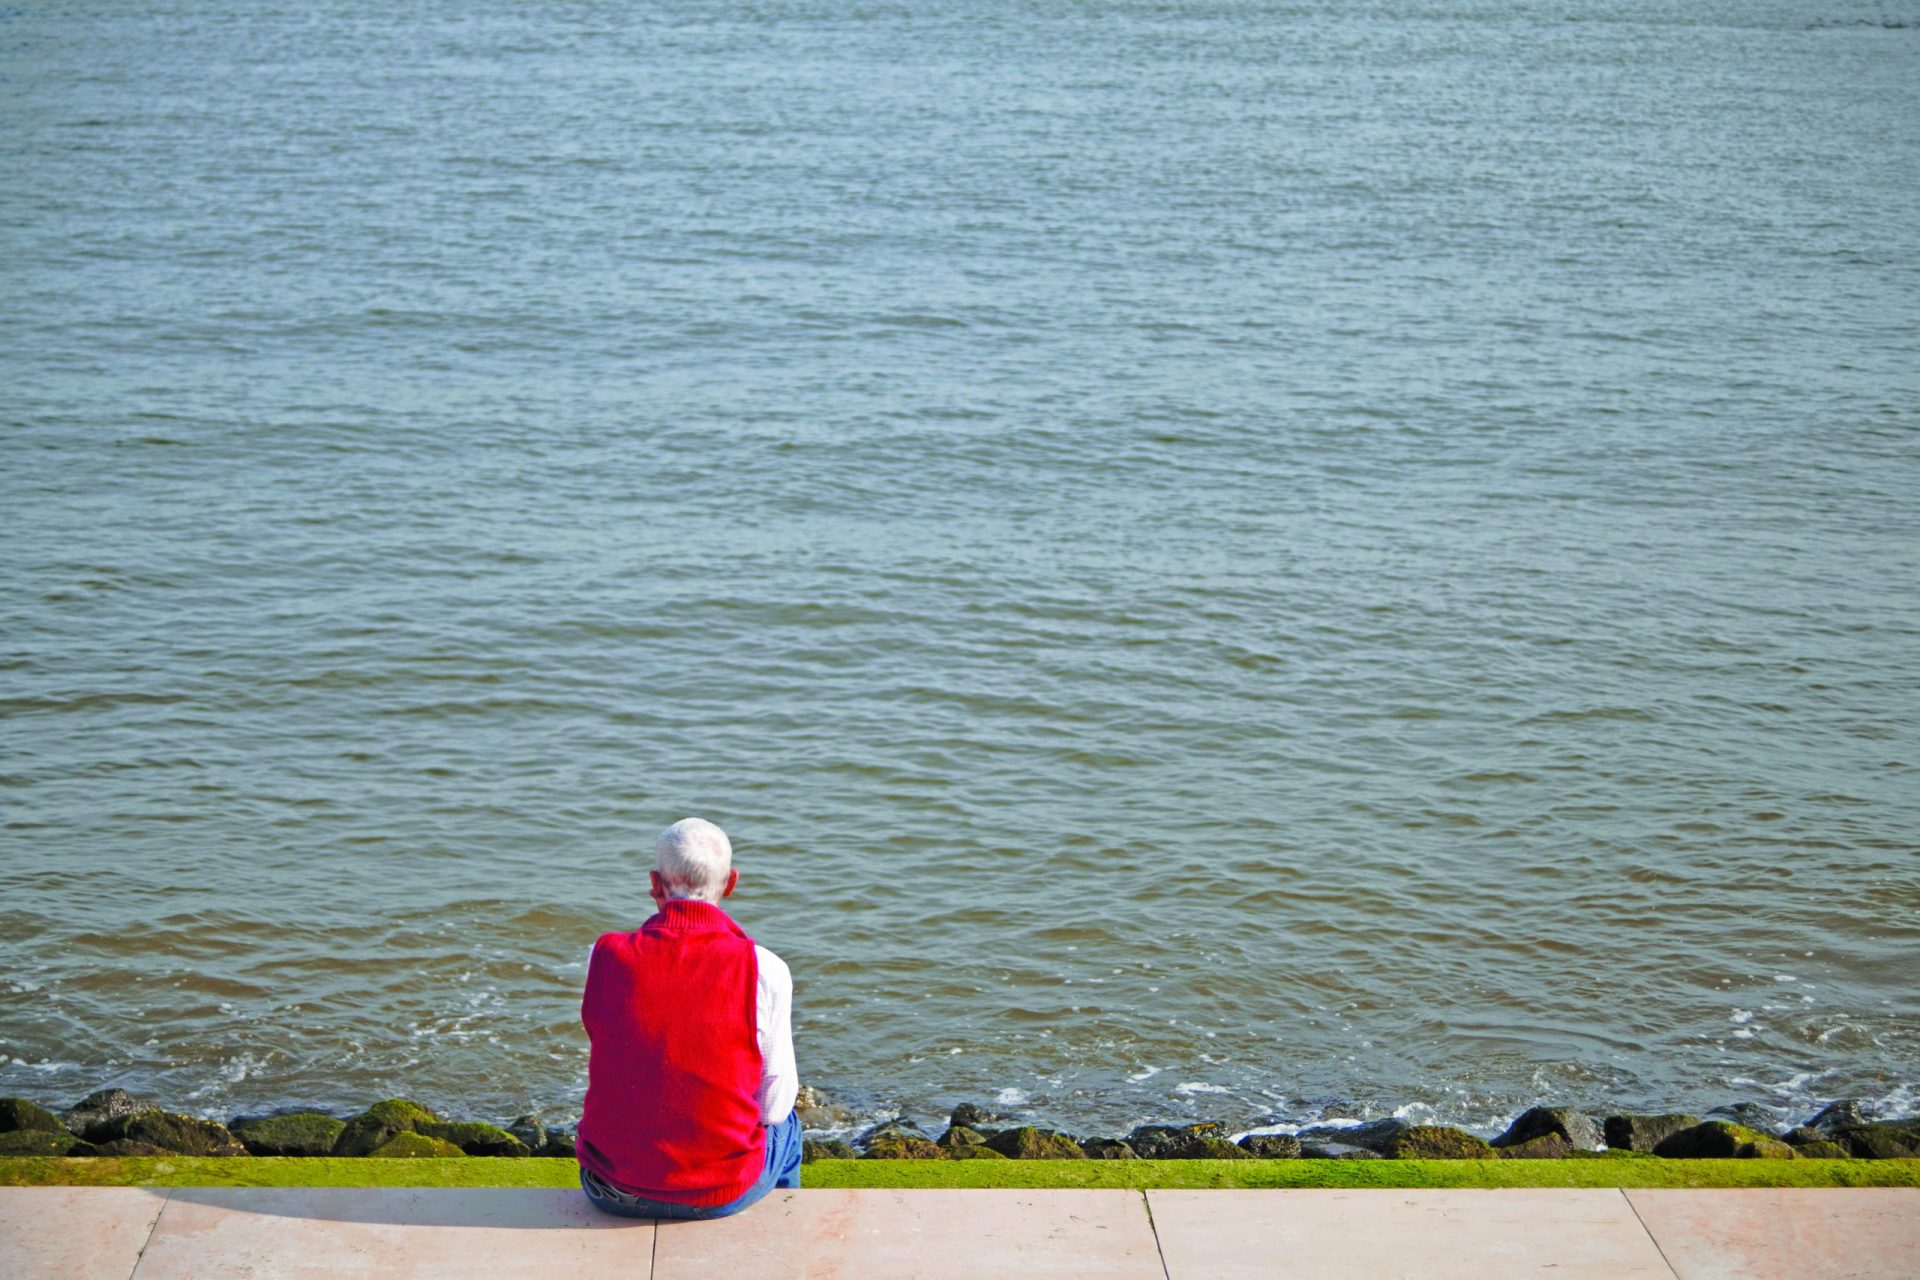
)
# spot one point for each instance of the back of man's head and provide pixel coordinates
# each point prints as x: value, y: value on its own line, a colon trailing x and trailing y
x: 693, y: 858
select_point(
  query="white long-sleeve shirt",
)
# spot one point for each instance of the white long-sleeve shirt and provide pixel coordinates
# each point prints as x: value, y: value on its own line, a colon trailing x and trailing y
x: 773, y: 1032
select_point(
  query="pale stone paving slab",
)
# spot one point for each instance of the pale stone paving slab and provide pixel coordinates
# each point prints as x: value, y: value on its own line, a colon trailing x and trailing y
x: 74, y: 1233
x: 918, y: 1235
x: 291, y: 1233
x: 1376, y: 1235
x: 1758, y: 1233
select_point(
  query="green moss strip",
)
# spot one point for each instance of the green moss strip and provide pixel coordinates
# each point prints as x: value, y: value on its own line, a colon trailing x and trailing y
x: 478, y: 1171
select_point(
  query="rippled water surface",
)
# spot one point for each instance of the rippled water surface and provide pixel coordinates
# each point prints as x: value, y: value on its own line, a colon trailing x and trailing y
x: 1214, y: 559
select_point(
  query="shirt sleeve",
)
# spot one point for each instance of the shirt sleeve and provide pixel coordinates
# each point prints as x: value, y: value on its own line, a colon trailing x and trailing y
x: 779, y: 1077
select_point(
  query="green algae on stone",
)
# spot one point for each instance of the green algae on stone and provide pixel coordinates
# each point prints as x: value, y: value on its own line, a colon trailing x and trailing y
x: 1575, y: 1126
x: 1822, y: 1150
x: 1436, y: 1142
x: 831, y: 1149
x: 1204, y: 1141
x: 902, y: 1146
x: 1108, y: 1149
x: 301, y: 1133
x: 17, y: 1114
x: 1722, y: 1140
x: 1884, y: 1140
x: 974, y: 1151
x: 1545, y: 1146
x: 1029, y: 1143
x: 1644, y: 1133
x: 960, y: 1135
x: 414, y: 1146
x: 475, y: 1138
x: 379, y: 1123
x: 1271, y: 1146
x: 43, y: 1142
x: 168, y: 1131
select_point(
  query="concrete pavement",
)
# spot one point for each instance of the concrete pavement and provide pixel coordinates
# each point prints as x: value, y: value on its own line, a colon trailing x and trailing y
x: 132, y: 1233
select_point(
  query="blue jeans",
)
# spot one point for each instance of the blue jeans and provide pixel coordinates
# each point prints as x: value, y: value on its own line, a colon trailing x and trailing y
x: 783, y: 1170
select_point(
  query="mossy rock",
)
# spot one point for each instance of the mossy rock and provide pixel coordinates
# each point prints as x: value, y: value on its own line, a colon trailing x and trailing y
x: 1575, y: 1126
x: 1547, y: 1146
x: 1200, y: 1141
x: 901, y: 1146
x: 832, y: 1149
x: 1823, y: 1150
x: 1886, y: 1140
x: 304, y: 1133
x: 379, y: 1124
x: 974, y: 1152
x: 414, y: 1146
x: 43, y: 1142
x: 168, y: 1131
x: 17, y: 1114
x: 971, y: 1115
x: 960, y: 1135
x: 558, y: 1144
x: 1108, y: 1149
x: 1722, y: 1140
x: 1644, y: 1133
x: 1029, y: 1143
x: 475, y: 1138
x: 1271, y: 1146
x: 1436, y: 1142
x: 128, y: 1147
x: 100, y: 1108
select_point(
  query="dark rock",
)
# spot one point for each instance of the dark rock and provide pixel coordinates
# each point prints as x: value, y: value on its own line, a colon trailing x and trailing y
x: 559, y: 1145
x: 1722, y: 1140
x: 1436, y: 1142
x: 17, y: 1114
x: 529, y: 1130
x: 43, y: 1142
x: 1800, y: 1136
x: 1108, y: 1149
x: 1844, y: 1114
x: 414, y: 1146
x: 894, y: 1145
x: 1748, y: 1115
x: 1316, y: 1150
x: 380, y: 1124
x: 1882, y: 1140
x: 1823, y: 1150
x: 128, y: 1147
x: 1204, y: 1141
x: 1271, y: 1146
x: 960, y: 1136
x: 1548, y: 1146
x: 100, y: 1108
x: 818, y: 1111
x: 1576, y: 1127
x: 899, y: 1126
x: 835, y: 1149
x: 303, y: 1133
x: 182, y: 1135
x: 1029, y: 1143
x: 975, y: 1153
x: 969, y: 1115
x: 475, y: 1138
x: 1644, y: 1133
x: 1375, y: 1135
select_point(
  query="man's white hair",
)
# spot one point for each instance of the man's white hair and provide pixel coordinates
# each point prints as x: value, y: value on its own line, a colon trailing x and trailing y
x: 693, y: 856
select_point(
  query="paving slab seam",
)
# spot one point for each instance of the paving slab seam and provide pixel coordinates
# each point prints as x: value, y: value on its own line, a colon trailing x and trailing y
x: 1157, y: 1248
x: 166, y: 1198
x: 1649, y: 1230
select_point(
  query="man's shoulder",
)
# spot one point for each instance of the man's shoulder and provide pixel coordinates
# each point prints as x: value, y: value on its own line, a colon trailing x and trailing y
x: 773, y: 970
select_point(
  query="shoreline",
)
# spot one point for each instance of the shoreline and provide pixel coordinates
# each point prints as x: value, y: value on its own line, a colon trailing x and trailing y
x: 112, y: 1123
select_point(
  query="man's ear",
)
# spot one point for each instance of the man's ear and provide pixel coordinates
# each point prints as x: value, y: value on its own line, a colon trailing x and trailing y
x: 656, y: 887
x: 733, y: 878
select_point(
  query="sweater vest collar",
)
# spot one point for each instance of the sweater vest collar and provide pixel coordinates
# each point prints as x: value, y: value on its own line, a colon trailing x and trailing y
x: 689, y: 915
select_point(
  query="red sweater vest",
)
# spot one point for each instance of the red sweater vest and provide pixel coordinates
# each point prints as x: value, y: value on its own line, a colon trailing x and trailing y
x: 673, y: 1068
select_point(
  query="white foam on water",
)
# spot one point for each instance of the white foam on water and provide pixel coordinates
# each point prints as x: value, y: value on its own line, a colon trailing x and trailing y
x: 1144, y: 1073
x: 1198, y: 1086
x: 1011, y: 1098
x: 1741, y: 1015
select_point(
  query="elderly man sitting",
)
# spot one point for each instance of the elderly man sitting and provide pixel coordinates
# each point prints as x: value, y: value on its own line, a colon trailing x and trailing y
x: 690, y: 1073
